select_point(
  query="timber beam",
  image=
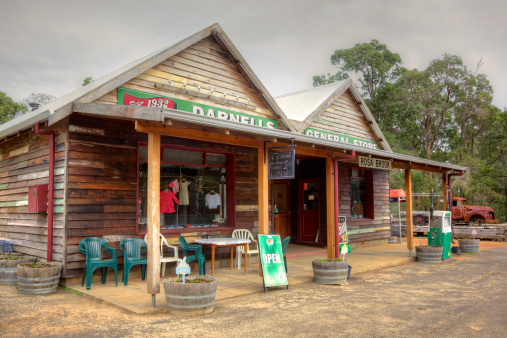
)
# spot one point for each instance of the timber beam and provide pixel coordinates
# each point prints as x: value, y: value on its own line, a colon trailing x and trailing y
x: 199, y: 135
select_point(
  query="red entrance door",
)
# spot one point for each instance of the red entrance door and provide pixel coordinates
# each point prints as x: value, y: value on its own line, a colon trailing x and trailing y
x: 309, y: 211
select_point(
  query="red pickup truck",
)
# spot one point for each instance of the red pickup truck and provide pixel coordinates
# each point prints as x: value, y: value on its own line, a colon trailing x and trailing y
x: 464, y: 213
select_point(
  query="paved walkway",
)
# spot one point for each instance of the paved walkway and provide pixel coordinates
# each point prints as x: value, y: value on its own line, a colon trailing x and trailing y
x: 234, y: 282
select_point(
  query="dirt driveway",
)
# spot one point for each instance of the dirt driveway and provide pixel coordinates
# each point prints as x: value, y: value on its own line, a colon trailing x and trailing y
x: 462, y: 296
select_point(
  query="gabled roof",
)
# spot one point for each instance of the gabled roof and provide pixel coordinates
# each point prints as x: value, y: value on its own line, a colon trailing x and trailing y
x: 307, y: 105
x: 62, y: 107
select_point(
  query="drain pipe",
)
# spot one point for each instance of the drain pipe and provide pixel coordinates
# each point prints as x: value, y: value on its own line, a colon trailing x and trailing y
x: 51, y: 187
x: 336, y: 204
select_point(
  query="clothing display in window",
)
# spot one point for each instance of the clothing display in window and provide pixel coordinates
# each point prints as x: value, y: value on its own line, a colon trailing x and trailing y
x: 168, y: 200
x: 213, y: 201
x: 175, y: 186
x: 184, y: 198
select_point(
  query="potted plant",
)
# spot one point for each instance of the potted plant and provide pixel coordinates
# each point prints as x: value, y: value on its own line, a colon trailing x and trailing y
x: 330, y: 270
x: 190, y: 296
x: 8, y: 263
x: 38, y: 278
x: 429, y: 253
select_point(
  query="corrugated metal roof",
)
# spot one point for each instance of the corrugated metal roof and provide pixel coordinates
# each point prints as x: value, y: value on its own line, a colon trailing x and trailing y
x: 299, y: 105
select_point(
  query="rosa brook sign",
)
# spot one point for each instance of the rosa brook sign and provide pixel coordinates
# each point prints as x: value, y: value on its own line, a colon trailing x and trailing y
x: 374, y: 163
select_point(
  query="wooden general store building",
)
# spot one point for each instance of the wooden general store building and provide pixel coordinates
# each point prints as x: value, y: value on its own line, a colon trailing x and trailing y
x: 197, y: 114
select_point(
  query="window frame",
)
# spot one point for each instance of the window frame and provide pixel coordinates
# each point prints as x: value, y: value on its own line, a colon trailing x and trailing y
x: 230, y: 185
x: 370, y: 205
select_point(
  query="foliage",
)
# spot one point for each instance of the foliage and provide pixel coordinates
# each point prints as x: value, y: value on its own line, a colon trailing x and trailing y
x: 372, y: 62
x: 87, y: 80
x: 40, y: 98
x: 199, y: 280
x: 9, y: 109
x: 11, y: 257
x: 443, y: 113
x: 34, y: 265
x: 329, y: 260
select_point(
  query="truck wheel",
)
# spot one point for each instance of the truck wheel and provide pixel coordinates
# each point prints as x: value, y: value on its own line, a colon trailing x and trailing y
x: 419, y: 220
x: 480, y: 223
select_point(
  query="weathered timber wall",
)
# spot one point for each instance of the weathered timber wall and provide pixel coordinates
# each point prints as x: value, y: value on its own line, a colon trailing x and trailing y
x: 366, y: 229
x: 344, y: 117
x: 24, y: 161
x: 102, y: 185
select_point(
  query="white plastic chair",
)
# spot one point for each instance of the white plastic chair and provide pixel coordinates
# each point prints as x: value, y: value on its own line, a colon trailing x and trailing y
x: 244, y: 234
x: 164, y: 260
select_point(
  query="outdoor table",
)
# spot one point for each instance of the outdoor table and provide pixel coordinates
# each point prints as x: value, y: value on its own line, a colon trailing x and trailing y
x: 224, y: 242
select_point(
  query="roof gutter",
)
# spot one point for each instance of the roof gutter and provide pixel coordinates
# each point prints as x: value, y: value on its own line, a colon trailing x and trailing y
x: 51, y: 187
x: 282, y: 134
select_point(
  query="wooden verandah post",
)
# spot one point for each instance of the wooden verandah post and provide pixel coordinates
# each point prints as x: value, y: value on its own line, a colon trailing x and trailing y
x: 153, y: 235
x: 410, y: 228
x: 330, y: 205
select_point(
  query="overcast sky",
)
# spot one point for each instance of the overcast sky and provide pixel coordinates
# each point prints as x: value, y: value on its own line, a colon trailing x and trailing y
x: 51, y: 46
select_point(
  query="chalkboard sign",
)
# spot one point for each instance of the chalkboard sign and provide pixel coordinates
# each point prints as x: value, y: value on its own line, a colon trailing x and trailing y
x: 281, y: 164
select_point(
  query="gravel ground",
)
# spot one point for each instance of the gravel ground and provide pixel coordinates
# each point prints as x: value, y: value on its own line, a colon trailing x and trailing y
x: 462, y: 296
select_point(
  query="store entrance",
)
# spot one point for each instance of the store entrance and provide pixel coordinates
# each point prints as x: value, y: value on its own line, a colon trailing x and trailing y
x: 282, y: 208
x: 309, y: 209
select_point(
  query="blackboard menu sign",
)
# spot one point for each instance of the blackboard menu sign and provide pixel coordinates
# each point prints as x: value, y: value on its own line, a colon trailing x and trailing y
x: 281, y: 164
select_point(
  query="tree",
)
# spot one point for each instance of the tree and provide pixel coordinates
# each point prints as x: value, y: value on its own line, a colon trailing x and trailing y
x: 372, y: 62
x: 88, y: 80
x: 40, y: 98
x: 9, y: 109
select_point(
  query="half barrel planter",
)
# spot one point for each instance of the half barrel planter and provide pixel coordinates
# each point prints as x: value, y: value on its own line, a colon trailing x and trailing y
x: 429, y: 254
x: 190, y: 299
x: 469, y: 245
x: 39, y: 281
x: 8, y: 268
x: 334, y: 273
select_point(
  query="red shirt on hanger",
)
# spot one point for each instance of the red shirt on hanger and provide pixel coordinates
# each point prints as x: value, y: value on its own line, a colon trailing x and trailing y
x: 167, y: 201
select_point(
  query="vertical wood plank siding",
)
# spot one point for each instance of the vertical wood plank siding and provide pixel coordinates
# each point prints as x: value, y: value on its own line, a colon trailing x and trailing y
x: 24, y: 161
x: 366, y: 229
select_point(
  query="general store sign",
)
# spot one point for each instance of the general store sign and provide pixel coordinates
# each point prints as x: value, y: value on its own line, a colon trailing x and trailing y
x: 273, y: 266
x: 375, y: 163
x: 325, y: 135
x: 130, y: 97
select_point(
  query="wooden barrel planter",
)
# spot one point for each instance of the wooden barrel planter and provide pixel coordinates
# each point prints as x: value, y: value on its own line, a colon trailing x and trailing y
x: 429, y: 254
x: 8, y: 270
x: 330, y: 272
x: 38, y: 278
x: 469, y: 245
x: 190, y: 298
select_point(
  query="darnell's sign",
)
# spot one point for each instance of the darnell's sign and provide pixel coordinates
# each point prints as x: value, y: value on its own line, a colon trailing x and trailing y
x: 130, y: 97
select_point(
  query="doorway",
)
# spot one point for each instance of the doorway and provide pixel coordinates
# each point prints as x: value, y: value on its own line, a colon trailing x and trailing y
x: 308, y: 209
x: 281, y: 199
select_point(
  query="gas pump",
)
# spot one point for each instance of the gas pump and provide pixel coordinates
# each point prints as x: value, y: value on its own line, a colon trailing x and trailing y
x: 440, y: 233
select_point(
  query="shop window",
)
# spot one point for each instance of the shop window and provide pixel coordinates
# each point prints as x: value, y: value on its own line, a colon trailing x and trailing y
x: 196, y: 190
x: 361, y: 188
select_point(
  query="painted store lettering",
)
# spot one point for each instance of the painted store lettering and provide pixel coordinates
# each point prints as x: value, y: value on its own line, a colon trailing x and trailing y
x: 232, y: 117
x: 271, y: 258
x: 340, y: 138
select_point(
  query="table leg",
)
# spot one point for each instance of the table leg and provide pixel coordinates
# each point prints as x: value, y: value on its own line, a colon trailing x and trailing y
x: 232, y: 256
x: 213, y: 260
x: 246, y: 257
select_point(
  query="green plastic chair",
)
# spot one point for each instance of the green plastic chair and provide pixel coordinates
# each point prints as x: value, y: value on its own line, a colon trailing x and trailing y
x: 132, y: 256
x: 285, y: 244
x: 198, y: 256
x: 92, y: 248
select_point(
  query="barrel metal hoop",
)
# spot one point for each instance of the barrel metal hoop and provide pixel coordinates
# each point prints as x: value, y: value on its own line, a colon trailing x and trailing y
x: 192, y: 297
x: 180, y: 306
